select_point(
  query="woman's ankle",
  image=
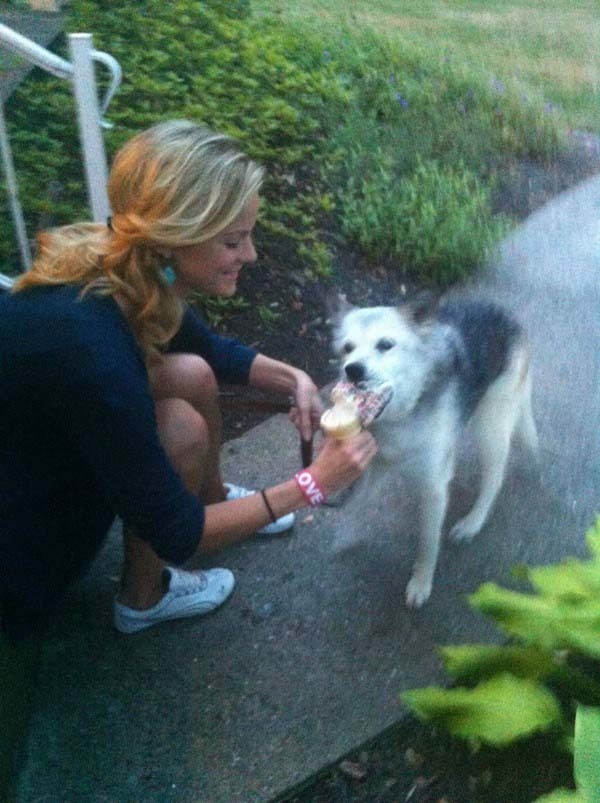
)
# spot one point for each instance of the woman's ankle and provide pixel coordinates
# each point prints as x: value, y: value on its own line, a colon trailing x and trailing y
x: 140, y: 597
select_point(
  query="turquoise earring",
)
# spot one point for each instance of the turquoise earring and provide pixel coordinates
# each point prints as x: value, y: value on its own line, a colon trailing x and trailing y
x: 169, y: 275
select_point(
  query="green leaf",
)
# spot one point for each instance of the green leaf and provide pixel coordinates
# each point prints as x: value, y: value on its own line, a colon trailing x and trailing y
x: 572, y: 578
x: 568, y: 580
x: 471, y: 663
x: 548, y: 622
x: 563, y: 796
x: 587, y: 752
x: 497, y: 711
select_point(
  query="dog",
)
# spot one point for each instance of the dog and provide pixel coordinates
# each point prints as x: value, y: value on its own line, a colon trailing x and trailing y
x: 449, y: 363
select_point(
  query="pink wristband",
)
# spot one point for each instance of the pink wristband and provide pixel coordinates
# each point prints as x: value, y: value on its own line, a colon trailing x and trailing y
x: 310, y: 487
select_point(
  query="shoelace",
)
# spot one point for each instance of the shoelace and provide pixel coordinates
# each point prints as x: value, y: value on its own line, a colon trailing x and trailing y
x: 187, y: 583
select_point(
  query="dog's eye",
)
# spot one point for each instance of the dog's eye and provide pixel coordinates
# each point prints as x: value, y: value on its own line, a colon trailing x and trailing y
x: 384, y: 344
x: 348, y: 347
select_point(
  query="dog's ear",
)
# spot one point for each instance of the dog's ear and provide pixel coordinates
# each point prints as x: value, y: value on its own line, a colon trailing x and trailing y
x: 337, y: 306
x: 421, y: 307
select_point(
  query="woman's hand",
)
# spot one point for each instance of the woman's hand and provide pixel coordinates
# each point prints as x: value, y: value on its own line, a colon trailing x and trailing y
x: 308, y: 407
x: 341, y: 462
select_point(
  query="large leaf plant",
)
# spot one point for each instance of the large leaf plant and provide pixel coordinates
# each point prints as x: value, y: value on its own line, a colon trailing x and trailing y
x: 545, y: 679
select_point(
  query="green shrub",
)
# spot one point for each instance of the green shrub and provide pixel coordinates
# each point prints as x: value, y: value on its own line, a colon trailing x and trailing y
x: 544, y: 680
x: 417, y: 134
x: 422, y: 102
x: 237, y: 9
x: 439, y: 220
x: 179, y: 59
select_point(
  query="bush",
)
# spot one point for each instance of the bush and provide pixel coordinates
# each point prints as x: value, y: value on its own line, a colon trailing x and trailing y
x: 179, y: 59
x: 417, y: 134
x: 237, y: 9
x: 545, y: 680
x: 436, y: 219
x: 587, y: 761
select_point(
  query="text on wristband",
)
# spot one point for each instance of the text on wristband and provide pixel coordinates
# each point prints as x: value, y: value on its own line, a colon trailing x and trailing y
x: 310, y: 488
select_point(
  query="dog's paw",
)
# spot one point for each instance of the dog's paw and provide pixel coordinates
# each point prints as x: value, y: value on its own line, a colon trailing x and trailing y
x: 418, y: 592
x: 464, y: 530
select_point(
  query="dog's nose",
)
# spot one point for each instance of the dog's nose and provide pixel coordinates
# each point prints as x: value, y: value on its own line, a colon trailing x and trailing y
x: 355, y: 371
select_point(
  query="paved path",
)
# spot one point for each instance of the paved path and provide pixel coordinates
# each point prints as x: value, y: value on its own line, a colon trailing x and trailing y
x: 308, y: 658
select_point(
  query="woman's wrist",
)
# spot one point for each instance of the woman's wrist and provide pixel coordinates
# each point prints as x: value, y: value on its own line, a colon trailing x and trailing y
x: 274, y: 375
x: 284, y: 498
x: 310, y: 487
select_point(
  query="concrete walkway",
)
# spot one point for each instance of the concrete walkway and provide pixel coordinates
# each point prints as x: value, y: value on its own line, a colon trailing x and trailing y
x: 308, y: 658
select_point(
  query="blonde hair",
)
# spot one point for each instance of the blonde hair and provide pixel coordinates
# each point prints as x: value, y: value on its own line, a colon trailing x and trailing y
x: 172, y: 185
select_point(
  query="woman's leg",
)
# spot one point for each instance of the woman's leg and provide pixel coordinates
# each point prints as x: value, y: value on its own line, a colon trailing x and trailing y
x: 189, y: 428
x: 188, y: 377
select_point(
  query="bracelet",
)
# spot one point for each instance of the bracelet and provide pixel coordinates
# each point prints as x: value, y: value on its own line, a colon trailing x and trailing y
x: 310, y: 488
x: 263, y: 493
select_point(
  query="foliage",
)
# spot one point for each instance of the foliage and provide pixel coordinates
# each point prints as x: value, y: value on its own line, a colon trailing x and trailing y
x: 537, y: 681
x: 485, y: 710
x: 438, y: 219
x: 457, y: 110
x: 216, y: 308
x: 397, y: 139
x: 415, y: 142
x: 268, y: 314
x: 510, y: 38
x: 587, y: 761
x: 237, y: 9
x: 179, y: 59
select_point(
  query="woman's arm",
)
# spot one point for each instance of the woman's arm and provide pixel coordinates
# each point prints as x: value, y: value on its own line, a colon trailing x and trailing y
x: 229, y: 359
x: 229, y: 522
x: 274, y: 375
x: 338, y: 464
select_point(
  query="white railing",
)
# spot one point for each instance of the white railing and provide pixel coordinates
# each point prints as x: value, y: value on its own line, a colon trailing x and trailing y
x: 80, y: 71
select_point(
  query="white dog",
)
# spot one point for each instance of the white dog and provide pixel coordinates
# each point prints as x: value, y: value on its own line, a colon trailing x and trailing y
x: 448, y: 364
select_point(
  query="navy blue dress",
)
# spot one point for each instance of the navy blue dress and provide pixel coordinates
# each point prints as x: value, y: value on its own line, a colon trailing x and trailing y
x: 79, y: 442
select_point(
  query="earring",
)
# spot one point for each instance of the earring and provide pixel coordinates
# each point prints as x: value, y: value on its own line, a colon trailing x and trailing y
x: 169, y: 275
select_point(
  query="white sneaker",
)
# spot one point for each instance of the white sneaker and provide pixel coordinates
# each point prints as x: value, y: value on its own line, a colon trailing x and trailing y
x: 281, y: 525
x: 189, y: 594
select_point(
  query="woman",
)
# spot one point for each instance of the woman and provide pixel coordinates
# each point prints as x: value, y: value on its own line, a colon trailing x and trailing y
x: 108, y: 391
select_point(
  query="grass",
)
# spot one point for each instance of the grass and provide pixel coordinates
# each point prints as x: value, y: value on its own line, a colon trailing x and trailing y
x: 455, y: 91
x: 411, y: 110
x: 547, y: 46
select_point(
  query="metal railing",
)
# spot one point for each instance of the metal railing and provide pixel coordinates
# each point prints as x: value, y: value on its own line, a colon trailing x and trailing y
x: 80, y: 71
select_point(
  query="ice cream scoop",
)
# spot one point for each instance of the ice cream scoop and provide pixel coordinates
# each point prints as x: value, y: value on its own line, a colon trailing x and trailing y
x: 353, y: 408
x: 342, y: 420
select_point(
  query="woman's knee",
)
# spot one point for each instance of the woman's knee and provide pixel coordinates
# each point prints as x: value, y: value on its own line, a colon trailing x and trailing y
x: 184, y: 376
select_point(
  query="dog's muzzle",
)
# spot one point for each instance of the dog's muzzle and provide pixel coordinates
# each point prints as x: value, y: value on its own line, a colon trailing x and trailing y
x: 355, y: 371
